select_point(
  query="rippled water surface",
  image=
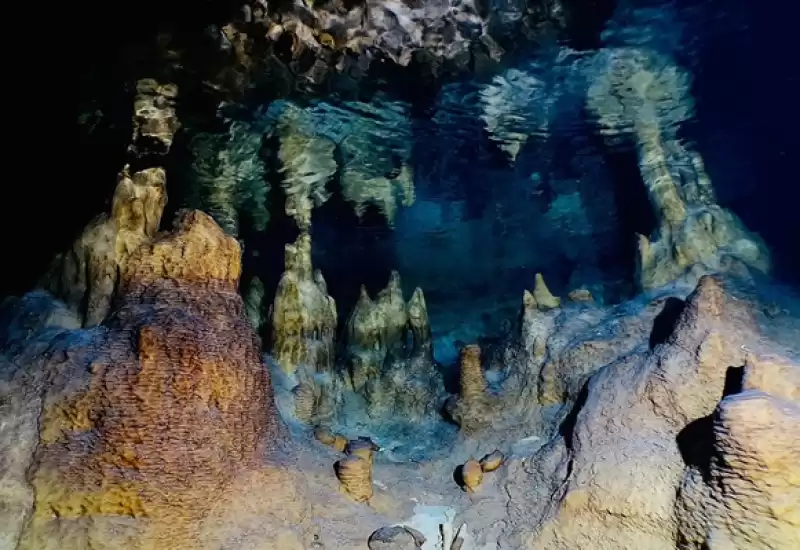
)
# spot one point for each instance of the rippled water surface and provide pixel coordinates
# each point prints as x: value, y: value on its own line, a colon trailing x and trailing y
x: 536, y: 168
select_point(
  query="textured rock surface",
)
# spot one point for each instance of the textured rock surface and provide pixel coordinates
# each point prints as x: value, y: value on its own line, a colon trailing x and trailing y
x: 344, y: 38
x: 745, y: 493
x: 620, y: 455
x: 389, y: 354
x: 86, y: 277
x: 303, y: 315
x: 135, y: 429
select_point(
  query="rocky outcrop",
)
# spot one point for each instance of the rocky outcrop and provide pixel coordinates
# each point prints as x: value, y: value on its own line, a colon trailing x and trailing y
x: 745, y: 492
x: 132, y: 432
x: 329, y: 39
x: 613, y: 471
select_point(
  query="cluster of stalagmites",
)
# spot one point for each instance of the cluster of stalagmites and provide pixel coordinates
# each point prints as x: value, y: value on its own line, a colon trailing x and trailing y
x: 509, y: 382
x: 387, y: 353
x: 386, y: 356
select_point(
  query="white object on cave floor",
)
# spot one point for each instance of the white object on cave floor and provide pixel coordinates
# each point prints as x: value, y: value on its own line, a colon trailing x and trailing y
x: 526, y: 446
x: 436, y: 525
x: 380, y: 484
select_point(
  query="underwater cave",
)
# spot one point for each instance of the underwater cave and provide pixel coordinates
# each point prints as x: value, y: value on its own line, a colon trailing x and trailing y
x: 407, y: 274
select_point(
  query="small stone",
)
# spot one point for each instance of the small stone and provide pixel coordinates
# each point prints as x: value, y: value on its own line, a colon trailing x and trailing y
x: 492, y: 461
x: 580, y: 295
x: 393, y: 538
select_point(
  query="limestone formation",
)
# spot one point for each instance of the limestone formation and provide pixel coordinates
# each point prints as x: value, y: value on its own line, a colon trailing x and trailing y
x: 638, y: 91
x: 154, y: 119
x: 395, y: 538
x: 362, y: 190
x: 363, y: 448
x: 389, y: 354
x: 307, y: 162
x: 471, y: 475
x: 368, y: 144
x: 471, y: 409
x: 303, y: 314
x: 141, y: 425
x: 580, y: 295
x: 492, y: 461
x: 746, y: 494
x: 327, y: 437
x: 544, y: 298
x: 305, y: 402
x: 324, y: 435
x: 506, y: 122
x: 619, y: 456
x: 87, y: 276
x: 355, y: 476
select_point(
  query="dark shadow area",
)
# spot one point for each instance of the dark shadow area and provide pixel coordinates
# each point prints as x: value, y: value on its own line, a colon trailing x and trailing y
x: 734, y: 380
x: 665, y: 321
x: 696, y: 444
x: 749, y: 139
x: 265, y: 251
x: 696, y: 440
x: 567, y: 427
x: 458, y: 475
x: 585, y: 20
x: 632, y: 203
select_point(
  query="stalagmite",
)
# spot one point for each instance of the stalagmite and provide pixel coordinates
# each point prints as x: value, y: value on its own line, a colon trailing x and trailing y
x: 637, y: 91
x: 303, y: 315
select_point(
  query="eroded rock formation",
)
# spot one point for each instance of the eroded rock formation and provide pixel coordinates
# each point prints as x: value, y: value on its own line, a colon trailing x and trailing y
x: 87, y: 276
x: 303, y: 315
x: 133, y: 430
x: 638, y: 91
x: 336, y: 38
x: 745, y: 493
x: 621, y: 453
x: 389, y: 354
